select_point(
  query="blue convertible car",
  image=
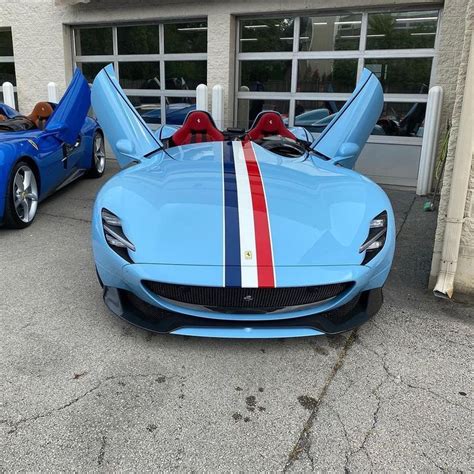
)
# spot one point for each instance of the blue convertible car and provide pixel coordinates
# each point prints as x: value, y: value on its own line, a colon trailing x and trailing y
x: 258, y: 233
x: 46, y: 150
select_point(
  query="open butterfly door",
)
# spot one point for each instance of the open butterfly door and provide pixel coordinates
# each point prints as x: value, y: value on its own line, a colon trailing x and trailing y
x: 345, y: 136
x: 129, y: 136
x: 69, y: 115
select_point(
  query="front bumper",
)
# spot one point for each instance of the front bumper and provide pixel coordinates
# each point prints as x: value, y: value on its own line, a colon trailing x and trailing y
x: 152, y: 318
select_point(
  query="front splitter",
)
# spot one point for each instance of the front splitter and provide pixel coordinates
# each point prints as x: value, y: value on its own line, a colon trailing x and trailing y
x: 344, y: 318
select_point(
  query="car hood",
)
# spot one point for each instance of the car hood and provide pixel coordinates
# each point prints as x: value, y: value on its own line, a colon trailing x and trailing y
x: 173, y: 208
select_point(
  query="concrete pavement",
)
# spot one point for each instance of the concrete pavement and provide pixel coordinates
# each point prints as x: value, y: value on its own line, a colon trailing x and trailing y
x: 82, y: 390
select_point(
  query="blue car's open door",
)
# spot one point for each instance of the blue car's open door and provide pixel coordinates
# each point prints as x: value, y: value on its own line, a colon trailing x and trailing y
x: 345, y: 136
x: 68, y: 116
x: 129, y: 136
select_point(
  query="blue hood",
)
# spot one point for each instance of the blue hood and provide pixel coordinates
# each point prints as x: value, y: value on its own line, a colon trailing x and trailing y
x: 172, y: 207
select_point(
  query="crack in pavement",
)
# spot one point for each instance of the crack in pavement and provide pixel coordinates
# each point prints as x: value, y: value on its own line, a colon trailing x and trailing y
x: 369, y: 432
x: 59, y: 216
x: 15, y: 425
x: 442, y: 469
x: 399, y: 379
x: 303, y: 443
x: 348, y: 452
x: 405, y: 218
x: 100, y: 457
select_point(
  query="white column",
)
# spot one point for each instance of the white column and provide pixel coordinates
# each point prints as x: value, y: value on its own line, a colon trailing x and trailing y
x: 430, y: 140
x: 201, y: 97
x: 52, y: 92
x: 8, y: 94
x: 218, y: 106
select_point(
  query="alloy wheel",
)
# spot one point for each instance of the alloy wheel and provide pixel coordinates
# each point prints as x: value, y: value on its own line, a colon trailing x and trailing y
x: 99, y: 153
x: 25, y: 194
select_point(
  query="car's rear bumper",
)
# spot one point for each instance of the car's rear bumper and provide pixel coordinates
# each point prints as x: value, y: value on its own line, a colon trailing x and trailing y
x: 340, y: 319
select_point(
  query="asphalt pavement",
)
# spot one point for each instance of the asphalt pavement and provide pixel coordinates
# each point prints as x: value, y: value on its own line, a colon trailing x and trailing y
x: 84, y: 391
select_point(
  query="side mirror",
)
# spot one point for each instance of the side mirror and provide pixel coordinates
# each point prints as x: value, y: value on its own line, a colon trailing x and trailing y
x: 125, y: 147
x: 53, y: 131
x: 347, y: 154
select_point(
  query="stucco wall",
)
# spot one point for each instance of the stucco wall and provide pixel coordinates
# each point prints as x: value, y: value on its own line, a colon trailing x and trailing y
x: 452, y: 67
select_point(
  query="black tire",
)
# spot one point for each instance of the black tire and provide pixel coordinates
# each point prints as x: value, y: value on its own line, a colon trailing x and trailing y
x: 13, y: 218
x: 98, y: 164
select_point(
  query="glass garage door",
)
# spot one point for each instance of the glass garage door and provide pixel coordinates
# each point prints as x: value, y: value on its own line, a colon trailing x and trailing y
x: 305, y: 67
x: 158, y: 65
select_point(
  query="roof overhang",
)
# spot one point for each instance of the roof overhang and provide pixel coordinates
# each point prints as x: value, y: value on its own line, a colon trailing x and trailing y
x: 70, y: 2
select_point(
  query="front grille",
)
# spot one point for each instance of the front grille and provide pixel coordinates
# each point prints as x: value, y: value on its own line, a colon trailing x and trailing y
x: 246, y: 300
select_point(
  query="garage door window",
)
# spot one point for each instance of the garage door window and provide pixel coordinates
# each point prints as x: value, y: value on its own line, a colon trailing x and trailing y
x: 312, y: 63
x: 7, y: 63
x: 159, y: 65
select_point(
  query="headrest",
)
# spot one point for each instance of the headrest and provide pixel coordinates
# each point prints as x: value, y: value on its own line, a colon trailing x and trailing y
x: 2, y: 118
x: 267, y: 124
x: 41, y: 112
x: 198, y: 126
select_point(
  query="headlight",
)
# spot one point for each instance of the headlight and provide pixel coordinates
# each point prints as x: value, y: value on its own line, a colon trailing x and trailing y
x: 115, y: 236
x: 376, y: 238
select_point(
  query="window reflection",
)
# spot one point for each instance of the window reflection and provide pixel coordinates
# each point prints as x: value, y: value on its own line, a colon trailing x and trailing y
x: 6, y: 42
x: 140, y: 75
x: 184, y: 75
x: 330, y: 33
x: 315, y: 115
x: 403, y: 119
x: 268, y: 76
x: 400, y: 119
x: 176, y: 108
x: 149, y: 107
x: 186, y: 37
x: 327, y: 75
x: 404, y: 75
x: 248, y: 109
x: 7, y: 73
x: 90, y: 70
x: 266, y: 35
x: 402, y: 30
x: 93, y: 41
x: 337, y: 73
x: 139, y: 39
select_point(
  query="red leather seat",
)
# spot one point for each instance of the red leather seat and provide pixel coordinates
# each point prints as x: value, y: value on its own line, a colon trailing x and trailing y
x: 198, y: 126
x: 267, y: 124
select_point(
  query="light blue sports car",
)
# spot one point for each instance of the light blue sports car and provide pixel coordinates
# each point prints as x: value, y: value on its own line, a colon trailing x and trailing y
x: 240, y: 234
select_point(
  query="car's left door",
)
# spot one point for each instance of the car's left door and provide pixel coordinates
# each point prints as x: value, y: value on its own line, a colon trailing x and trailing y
x: 54, y: 168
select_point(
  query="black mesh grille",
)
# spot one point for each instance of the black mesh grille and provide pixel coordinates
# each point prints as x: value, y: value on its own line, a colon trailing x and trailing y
x: 246, y: 299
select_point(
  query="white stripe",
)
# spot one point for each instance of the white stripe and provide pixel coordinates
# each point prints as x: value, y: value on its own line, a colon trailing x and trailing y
x: 246, y: 224
x: 223, y: 215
